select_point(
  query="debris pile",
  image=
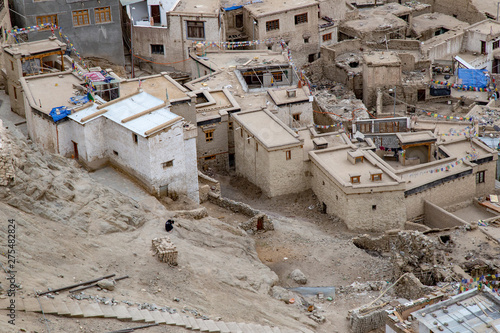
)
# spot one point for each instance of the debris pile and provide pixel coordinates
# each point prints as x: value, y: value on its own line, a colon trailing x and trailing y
x: 165, y: 250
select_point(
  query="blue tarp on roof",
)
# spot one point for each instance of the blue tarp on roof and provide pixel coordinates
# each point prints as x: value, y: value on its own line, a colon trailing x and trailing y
x: 232, y: 8
x: 59, y: 113
x: 473, y: 77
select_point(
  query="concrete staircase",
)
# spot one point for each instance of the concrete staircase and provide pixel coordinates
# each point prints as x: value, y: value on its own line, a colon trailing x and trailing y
x: 88, y: 309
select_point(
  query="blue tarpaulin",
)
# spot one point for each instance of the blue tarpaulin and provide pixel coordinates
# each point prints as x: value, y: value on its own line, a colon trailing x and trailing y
x: 59, y: 113
x: 232, y: 8
x: 473, y: 77
x: 79, y: 99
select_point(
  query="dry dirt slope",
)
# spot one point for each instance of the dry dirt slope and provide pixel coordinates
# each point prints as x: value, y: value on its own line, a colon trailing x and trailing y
x: 71, y: 229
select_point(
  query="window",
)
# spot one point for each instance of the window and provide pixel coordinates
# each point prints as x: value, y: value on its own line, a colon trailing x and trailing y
x: 355, y: 178
x: 256, y: 146
x: 374, y: 207
x: 209, y: 158
x: 102, y: 15
x: 46, y: 19
x: 272, y: 25
x: 81, y: 17
x: 195, y: 29
x: 327, y: 37
x: 167, y: 164
x: 11, y: 65
x: 483, y: 47
x: 134, y: 136
x: 238, y: 21
x: 15, y: 92
x: 306, y: 40
x: 301, y: 18
x: 496, y: 44
x: 157, y: 49
x: 241, y: 132
x: 288, y: 154
x: 278, y: 77
x: 296, y: 116
x: 376, y: 175
x: 115, y: 152
x: 480, y: 177
x: 209, y: 135
x: 230, y: 125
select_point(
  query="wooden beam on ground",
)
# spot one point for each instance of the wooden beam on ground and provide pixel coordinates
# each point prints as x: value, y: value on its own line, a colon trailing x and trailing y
x: 76, y: 285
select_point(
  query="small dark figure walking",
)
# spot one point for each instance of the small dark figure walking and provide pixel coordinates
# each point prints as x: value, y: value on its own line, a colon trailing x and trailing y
x: 169, y: 225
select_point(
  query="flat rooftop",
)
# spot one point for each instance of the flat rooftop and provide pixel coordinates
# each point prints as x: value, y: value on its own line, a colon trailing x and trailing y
x: 335, y: 162
x: 36, y: 47
x: 228, y: 80
x: 156, y: 85
x: 380, y: 58
x: 392, y: 8
x: 375, y: 23
x: 224, y: 60
x: 416, y: 137
x: 423, y: 23
x: 280, y: 95
x: 267, y: 129
x: 471, y: 311
x: 197, y: 6
x: 486, y: 27
x: 117, y: 111
x: 50, y: 91
x: 460, y: 148
x: 218, y: 101
x: 268, y: 7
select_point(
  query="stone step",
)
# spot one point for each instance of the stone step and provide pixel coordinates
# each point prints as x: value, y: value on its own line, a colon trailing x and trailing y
x: 136, y: 314
x: 268, y: 329
x: 31, y: 305
x: 19, y: 304
x: 234, y: 328
x: 222, y: 326
x: 187, y: 322
x: 158, y: 317
x: 4, y: 303
x: 178, y: 320
x: 211, y: 326
x: 194, y: 324
x: 148, y: 318
x: 107, y: 310
x: 91, y: 310
x: 202, y: 325
x: 122, y: 312
x: 61, y: 308
x: 245, y: 328
x: 47, y: 306
x: 168, y: 318
x: 74, y: 308
x: 256, y: 328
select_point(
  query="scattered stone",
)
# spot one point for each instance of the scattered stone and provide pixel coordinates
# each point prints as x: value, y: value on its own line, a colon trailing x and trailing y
x: 107, y: 284
x: 297, y: 276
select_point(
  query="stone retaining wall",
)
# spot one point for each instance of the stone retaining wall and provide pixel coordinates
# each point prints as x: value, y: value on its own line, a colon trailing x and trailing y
x: 6, y: 163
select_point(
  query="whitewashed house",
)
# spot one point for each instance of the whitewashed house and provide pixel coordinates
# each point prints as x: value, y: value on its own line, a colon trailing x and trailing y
x: 139, y: 135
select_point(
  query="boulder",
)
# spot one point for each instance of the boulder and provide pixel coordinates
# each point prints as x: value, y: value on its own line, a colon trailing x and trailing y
x: 297, y: 276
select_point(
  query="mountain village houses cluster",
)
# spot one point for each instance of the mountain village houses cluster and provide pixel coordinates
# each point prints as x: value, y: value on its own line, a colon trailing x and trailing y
x: 248, y: 106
